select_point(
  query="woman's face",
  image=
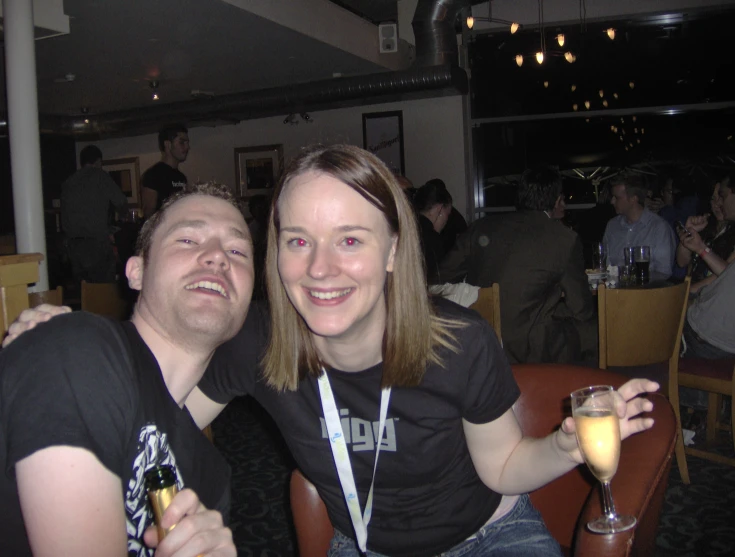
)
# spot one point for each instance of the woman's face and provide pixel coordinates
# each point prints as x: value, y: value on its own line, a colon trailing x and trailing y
x: 334, y: 252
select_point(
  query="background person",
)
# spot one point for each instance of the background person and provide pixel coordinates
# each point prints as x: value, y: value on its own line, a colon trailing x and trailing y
x: 164, y: 178
x: 433, y: 204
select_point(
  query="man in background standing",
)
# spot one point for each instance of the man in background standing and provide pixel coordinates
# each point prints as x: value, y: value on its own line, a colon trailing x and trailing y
x: 164, y: 178
x: 85, y: 202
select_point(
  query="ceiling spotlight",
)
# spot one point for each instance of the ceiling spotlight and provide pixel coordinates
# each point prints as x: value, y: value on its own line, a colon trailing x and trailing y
x: 569, y: 57
x: 610, y: 33
x: 575, y: 107
x: 514, y: 27
x: 519, y: 60
x: 540, y: 57
x: 154, y: 85
x: 86, y: 120
x: 574, y: 88
x: 155, y: 96
x: 470, y: 22
x: 546, y: 84
x: 587, y: 104
x: 306, y: 118
x: 631, y: 85
x: 560, y: 39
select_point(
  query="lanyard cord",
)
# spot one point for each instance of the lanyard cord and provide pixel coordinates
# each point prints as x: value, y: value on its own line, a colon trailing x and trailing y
x: 342, y: 458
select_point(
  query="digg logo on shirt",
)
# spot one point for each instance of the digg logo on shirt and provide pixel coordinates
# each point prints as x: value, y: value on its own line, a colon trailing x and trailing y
x: 362, y: 434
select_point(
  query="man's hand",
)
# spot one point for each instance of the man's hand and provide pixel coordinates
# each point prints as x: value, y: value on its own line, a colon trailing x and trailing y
x: 198, y: 531
x: 29, y: 318
x: 628, y: 405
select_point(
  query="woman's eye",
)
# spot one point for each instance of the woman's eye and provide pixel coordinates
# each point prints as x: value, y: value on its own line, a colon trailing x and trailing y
x: 297, y: 242
x: 238, y: 253
x: 186, y: 241
x: 351, y: 242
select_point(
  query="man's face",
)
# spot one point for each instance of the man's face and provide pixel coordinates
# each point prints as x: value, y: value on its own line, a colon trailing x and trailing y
x: 178, y: 148
x: 197, y: 283
x: 620, y: 200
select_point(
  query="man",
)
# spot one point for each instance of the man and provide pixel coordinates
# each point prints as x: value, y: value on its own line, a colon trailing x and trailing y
x: 164, y: 178
x: 545, y: 300
x: 86, y: 197
x: 84, y: 418
x: 636, y: 225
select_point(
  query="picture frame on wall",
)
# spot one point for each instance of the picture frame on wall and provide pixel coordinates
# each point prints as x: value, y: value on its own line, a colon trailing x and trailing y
x: 382, y: 135
x: 126, y: 174
x: 257, y: 169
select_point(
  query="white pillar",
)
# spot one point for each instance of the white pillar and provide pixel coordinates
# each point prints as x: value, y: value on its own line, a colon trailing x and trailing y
x: 23, y: 131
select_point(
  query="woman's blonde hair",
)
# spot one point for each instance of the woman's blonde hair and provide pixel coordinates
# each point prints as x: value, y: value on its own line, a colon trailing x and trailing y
x: 413, y: 332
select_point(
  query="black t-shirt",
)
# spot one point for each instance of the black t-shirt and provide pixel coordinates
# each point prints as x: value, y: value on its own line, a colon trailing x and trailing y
x: 428, y: 496
x: 165, y: 180
x: 84, y: 381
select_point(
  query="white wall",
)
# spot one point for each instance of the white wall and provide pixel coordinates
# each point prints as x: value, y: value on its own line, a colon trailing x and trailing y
x: 433, y: 142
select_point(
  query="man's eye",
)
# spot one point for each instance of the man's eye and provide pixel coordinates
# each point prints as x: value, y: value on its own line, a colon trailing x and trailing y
x: 239, y: 253
x: 186, y: 241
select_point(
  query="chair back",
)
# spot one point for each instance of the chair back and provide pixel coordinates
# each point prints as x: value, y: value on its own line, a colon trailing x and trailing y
x: 104, y: 299
x: 54, y: 297
x: 314, y: 530
x: 570, y: 501
x: 488, y: 306
x: 640, y: 326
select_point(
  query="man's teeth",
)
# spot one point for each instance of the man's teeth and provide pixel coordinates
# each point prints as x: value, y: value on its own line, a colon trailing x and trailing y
x: 330, y: 295
x: 209, y: 286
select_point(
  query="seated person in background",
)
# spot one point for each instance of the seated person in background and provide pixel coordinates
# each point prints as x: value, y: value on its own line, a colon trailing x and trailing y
x: 545, y: 301
x: 592, y: 222
x: 406, y: 185
x: 433, y: 204
x: 709, y: 242
x: 637, y: 226
x: 88, y: 405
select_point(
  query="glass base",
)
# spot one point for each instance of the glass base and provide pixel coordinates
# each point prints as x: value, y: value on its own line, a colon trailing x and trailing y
x: 605, y: 525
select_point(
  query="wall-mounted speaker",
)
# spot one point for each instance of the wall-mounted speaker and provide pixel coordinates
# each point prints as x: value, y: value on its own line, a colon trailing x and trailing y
x: 388, y: 37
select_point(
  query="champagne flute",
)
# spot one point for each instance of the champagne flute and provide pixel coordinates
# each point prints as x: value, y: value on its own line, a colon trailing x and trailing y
x: 598, y: 436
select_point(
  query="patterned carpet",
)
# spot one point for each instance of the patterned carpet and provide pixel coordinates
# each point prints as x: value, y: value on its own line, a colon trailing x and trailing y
x: 697, y: 520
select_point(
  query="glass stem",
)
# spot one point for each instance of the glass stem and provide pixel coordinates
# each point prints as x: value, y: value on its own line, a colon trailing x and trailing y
x: 607, y: 502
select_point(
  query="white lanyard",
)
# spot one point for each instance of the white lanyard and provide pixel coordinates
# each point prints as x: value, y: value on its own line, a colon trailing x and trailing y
x: 342, y: 458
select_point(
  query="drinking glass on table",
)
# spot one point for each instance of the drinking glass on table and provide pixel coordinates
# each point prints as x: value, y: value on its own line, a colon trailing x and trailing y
x: 642, y: 256
x: 627, y: 269
x: 598, y: 436
x: 599, y: 257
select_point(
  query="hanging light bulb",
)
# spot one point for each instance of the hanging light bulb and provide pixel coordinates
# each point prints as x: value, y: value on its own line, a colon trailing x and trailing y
x: 575, y: 107
x: 626, y: 147
x: 540, y: 57
x: 643, y: 131
x: 633, y: 118
x: 574, y: 88
x: 602, y: 93
x: 155, y: 96
x: 631, y: 85
x: 546, y: 84
x: 470, y: 22
x: 587, y: 104
x: 569, y: 57
x: 604, y: 103
x: 638, y: 140
x: 519, y: 60
x: 622, y: 120
x: 587, y: 120
x: 635, y: 130
x: 514, y: 27
x: 621, y: 138
x: 610, y: 33
x: 612, y: 128
x: 615, y: 96
x: 86, y: 120
x: 560, y: 39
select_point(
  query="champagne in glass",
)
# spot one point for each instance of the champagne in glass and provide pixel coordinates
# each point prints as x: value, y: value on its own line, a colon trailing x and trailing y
x: 598, y: 436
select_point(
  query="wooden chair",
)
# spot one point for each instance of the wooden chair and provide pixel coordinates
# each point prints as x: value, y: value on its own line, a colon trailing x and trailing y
x: 55, y: 297
x: 488, y: 305
x: 643, y: 326
x: 104, y: 299
x: 570, y: 501
x: 717, y: 378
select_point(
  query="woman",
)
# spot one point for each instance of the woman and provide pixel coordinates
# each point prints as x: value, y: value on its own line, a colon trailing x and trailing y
x: 358, y: 353
x: 433, y: 204
x: 709, y: 246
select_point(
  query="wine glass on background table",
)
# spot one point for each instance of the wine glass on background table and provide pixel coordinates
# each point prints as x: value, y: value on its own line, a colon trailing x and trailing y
x: 598, y: 436
x: 599, y: 257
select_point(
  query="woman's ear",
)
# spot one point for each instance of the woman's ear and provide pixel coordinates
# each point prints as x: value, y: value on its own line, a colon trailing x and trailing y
x: 392, y: 255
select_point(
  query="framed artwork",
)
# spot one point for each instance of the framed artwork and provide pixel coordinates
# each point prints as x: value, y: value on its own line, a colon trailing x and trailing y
x: 126, y: 174
x: 382, y: 135
x: 257, y: 169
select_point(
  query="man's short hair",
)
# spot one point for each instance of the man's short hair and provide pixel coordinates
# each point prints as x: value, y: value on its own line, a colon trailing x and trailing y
x: 90, y: 155
x: 169, y: 133
x: 539, y: 189
x: 635, y: 185
x: 212, y: 189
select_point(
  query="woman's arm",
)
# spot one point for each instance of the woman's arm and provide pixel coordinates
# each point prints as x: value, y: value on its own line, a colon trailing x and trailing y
x: 511, y: 464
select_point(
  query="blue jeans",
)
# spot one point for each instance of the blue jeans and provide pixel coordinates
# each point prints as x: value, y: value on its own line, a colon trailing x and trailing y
x: 520, y: 533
